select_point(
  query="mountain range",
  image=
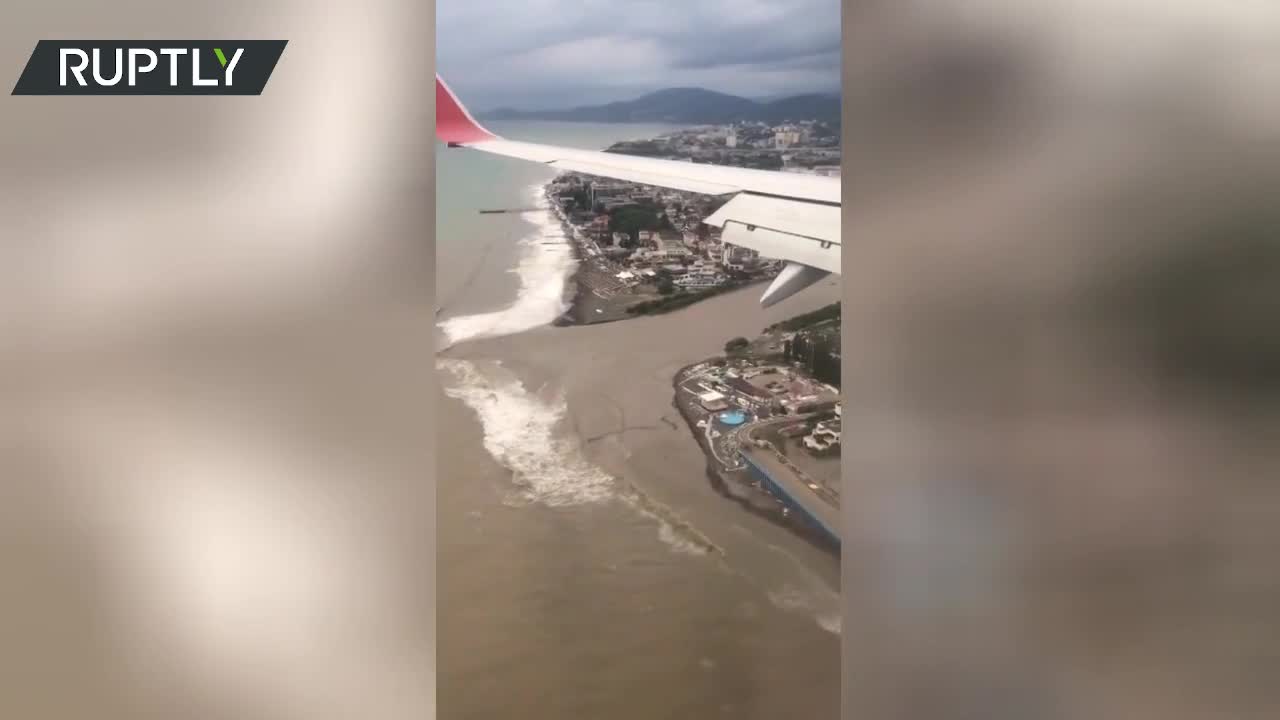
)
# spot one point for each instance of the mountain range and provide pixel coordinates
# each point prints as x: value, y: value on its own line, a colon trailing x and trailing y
x: 691, y: 106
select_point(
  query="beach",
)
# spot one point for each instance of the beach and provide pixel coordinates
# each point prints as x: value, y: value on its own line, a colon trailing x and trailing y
x: 585, y: 307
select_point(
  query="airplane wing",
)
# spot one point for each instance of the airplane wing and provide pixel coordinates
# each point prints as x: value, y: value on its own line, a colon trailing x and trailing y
x: 787, y: 216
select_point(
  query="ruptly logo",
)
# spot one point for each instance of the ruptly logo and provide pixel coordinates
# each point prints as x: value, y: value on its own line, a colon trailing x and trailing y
x: 150, y: 67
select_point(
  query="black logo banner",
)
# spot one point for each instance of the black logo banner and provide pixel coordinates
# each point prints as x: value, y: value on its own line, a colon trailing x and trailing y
x: 149, y: 67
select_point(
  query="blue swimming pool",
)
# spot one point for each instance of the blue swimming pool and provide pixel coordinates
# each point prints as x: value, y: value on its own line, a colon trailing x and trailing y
x: 733, y: 417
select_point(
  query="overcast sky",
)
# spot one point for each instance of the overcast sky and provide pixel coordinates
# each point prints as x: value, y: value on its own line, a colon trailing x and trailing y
x: 536, y: 54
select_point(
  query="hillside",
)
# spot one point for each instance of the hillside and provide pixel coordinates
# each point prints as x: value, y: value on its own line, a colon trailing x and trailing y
x: 693, y: 106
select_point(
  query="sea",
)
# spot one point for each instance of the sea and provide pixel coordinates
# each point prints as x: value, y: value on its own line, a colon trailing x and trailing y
x: 583, y: 575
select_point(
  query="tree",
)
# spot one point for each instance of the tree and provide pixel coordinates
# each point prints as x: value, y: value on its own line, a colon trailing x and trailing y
x: 666, y: 286
x: 736, y: 344
x: 769, y: 162
x: 631, y: 220
x: 800, y: 349
x: 825, y: 366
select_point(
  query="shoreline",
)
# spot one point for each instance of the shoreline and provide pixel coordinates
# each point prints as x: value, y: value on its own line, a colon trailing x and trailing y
x: 774, y: 509
x: 583, y: 302
x: 621, y: 429
x: 588, y: 308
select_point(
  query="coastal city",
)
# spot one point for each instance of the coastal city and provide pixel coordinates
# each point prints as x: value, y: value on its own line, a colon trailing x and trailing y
x: 645, y: 250
x: 804, y: 147
x: 767, y: 413
x: 768, y: 416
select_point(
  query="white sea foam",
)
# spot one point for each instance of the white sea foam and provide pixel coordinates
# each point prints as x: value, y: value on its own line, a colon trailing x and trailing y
x: 520, y: 433
x: 814, y: 600
x: 832, y: 622
x: 677, y: 542
x: 789, y: 597
x: 673, y: 531
x: 544, y: 269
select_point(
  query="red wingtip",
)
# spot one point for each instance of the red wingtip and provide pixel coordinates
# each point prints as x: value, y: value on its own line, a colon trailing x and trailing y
x: 453, y: 123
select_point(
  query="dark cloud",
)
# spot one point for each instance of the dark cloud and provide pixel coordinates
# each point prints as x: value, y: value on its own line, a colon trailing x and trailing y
x: 556, y: 53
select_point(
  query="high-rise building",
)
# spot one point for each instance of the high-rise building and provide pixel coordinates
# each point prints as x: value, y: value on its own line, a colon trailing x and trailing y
x: 786, y: 138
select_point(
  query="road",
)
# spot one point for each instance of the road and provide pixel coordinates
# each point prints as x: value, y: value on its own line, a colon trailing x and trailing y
x: 821, y: 504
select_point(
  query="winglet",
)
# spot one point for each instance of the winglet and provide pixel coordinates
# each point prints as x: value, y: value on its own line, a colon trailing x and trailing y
x: 454, y: 125
x: 793, y: 278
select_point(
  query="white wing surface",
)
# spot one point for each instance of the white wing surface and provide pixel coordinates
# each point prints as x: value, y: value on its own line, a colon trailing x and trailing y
x: 787, y: 216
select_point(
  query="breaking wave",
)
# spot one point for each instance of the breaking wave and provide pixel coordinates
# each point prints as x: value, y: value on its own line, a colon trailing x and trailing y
x: 673, y: 531
x: 520, y: 433
x: 545, y: 267
x: 822, y: 606
x: 548, y: 466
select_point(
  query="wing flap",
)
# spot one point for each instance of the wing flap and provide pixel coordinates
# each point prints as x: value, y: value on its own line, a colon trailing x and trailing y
x: 782, y: 246
x: 796, y: 231
x: 805, y: 219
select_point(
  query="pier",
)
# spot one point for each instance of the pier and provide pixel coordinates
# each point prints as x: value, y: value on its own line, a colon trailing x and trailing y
x: 791, y: 486
x: 494, y: 211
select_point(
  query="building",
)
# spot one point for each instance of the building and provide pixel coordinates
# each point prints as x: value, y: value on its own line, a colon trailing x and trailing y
x: 712, y: 401
x: 737, y: 258
x: 825, y: 436
x: 648, y: 256
x: 731, y: 140
x: 647, y: 194
x: 822, y: 440
x: 601, y: 190
x: 747, y: 388
x: 810, y: 404
x: 699, y: 279
x: 786, y: 138
x: 672, y: 247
